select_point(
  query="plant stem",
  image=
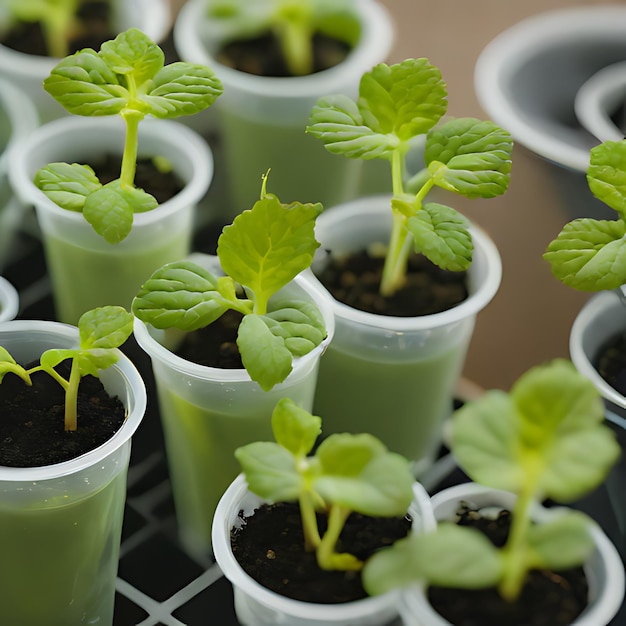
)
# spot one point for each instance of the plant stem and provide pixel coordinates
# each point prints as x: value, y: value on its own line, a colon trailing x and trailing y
x: 129, y: 157
x: 327, y: 558
x: 309, y: 523
x: 71, y: 397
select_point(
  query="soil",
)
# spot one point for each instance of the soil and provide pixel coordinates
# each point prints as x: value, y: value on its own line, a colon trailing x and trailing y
x: 262, y: 55
x: 355, y: 281
x: 32, y: 432
x: 270, y: 548
x: 611, y: 362
x: 548, y: 598
x: 162, y: 185
x: 93, y: 31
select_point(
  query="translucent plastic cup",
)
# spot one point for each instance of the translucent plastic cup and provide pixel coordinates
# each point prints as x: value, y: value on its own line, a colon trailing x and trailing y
x: 9, y: 300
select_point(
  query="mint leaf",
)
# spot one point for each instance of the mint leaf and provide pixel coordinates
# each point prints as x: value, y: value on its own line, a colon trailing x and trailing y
x: 9, y: 365
x: 67, y: 185
x: 606, y: 174
x: 470, y: 157
x: 589, y: 254
x: 104, y: 327
x: 440, y: 233
x: 109, y: 213
x: 294, y: 428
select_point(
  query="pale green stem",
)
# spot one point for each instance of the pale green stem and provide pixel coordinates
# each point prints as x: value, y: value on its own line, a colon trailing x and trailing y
x: 71, y: 398
x: 514, y: 551
x: 53, y: 373
x: 309, y: 523
x: 129, y: 157
x: 295, y: 42
x: 336, y: 519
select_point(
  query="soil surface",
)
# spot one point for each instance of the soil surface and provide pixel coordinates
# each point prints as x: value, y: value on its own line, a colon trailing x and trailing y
x: 92, y: 31
x: 355, y: 281
x: 611, y: 362
x: 548, y: 598
x: 262, y: 55
x: 32, y: 432
x: 270, y: 548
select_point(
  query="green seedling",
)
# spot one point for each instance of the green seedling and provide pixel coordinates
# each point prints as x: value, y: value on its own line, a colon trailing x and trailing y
x: 293, y: 22
x: 127, y: 77
x: 101, y: 330
x: 544, y: 439
x: 348, y: 473
x: 260, y: 252
x: 467, y: 156
x: 57, y: 18
x: 589, y: 254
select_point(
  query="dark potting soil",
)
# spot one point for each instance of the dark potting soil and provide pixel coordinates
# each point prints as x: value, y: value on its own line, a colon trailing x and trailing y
x: 262, y: 55
x: 93, y: 30
x: 32, y: 432
x: 270, y: 548
x: 611, y: 362
x: 355, y: 281
x: 163, y: 185
x: 547, y: 599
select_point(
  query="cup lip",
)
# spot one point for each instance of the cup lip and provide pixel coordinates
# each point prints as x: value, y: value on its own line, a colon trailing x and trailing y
x: 124, y: 368
x: 593, y: 101
x: 374, y: 206
x: 167, y: 132
x: 157, y: 351
x: 375, y: 44
x: 596, y: 305
x: 331, y: 613
x: 508, y: 51
x: 9, y: 300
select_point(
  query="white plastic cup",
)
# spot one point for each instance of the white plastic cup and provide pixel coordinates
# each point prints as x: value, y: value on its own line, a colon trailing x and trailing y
x: 394, y: 377
x: 86, y: 271
x: 262, y: 120
x: 256, y: 605
x: 9, y: 300
x: 208, y: 412
x: 60, y: 525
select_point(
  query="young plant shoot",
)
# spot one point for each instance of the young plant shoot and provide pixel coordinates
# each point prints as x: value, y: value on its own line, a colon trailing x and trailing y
x: 589, y: 254
x: 127, y: 77
x: 348, y: 473
x: 260, y: 252
x: 57, y: 18
x: 293, y: 23
x: 544, y: 439
x: 101, y: 330
x: 466, y: 156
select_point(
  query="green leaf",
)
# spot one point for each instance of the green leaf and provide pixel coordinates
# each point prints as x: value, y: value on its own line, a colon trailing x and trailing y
x: 441, y: 234
x: 85, y: 85
x: 264, y: 355
x: 183, y: 295
x: 299, y: 323
x: 51, y: 358
x: 452, y: 556
x: 406, y: 99
x: 561, y: 542
x: 67, y: 185
x: 606, y: 174
x: 270, y: 471
x: 105, y: 327
x: 133, y: 54
x: 94, y: 360
x: 182, y: 89
x: 266, y: 247
x: 470, y: 157
x: 9, y: 365
x: 295, y: 429
x: 589, y: 254
x: 110, y: 213
x: 484, y: 440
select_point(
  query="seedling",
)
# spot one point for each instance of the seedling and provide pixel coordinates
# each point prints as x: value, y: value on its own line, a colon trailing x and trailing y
x: 293, y: 22
x: 260, y: 252
x: 348, y: 473
x: 589, y: 254
x: 545, y: 439
x: 466, y: 156
x: 57, y: 18
x: 101, y: 330
x: 127, y: 77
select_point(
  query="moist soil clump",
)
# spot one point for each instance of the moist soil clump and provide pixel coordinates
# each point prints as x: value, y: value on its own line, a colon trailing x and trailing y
x: 93, y: 30
x: 547, y: 599
x: 32, y: 432
x: 162, y: 185
x: 611, y: 362
x: 269, y: 546
x: 262, y: 55
x: 355, y: 281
